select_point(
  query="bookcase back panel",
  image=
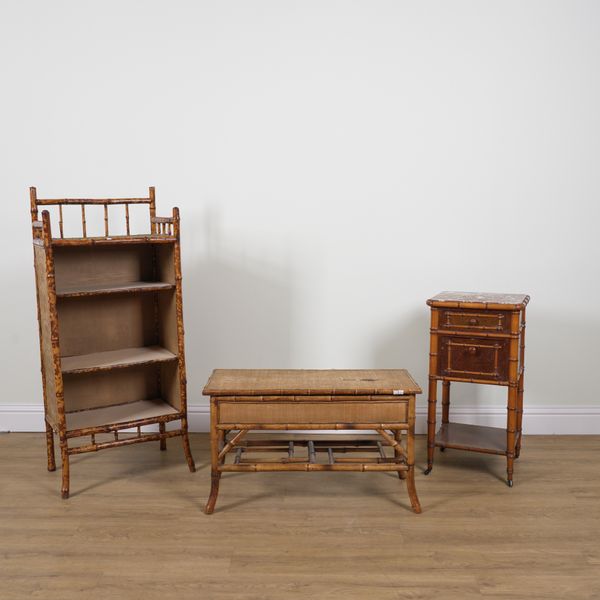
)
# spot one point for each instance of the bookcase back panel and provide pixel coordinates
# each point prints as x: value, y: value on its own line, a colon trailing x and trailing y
x: 167, y: 322
x: 103, y: 264
x: 96, y: 390
x: 164, y: 262
x: 46, y: 339
x: 97, y: 324
x: 169, y: 384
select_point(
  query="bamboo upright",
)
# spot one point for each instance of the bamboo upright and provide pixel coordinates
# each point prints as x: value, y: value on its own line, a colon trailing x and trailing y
x: 111, y: 330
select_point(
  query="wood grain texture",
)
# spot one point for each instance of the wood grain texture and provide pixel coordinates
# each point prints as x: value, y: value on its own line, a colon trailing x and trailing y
x: 295, y: 536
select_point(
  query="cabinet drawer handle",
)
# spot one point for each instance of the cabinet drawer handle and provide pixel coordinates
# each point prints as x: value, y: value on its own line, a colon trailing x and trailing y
x: 472, y: 350
x: 473, y: 321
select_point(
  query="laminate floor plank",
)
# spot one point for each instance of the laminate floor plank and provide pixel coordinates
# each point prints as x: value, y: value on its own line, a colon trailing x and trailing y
x: 134, y: 527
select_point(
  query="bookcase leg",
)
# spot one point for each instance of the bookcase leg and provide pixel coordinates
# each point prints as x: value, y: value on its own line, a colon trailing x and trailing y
x: 186, y: 446
x: 64, y: 453
x: 50, y: 448
x: 163, y: 441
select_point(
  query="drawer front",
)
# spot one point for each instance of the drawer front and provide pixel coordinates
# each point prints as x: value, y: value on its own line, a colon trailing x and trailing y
x: 485, y: 321
x: 474, y: 358
x: 314, y: 412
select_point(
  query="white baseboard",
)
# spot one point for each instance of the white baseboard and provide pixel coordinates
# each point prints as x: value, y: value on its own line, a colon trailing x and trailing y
x: 537, y: 420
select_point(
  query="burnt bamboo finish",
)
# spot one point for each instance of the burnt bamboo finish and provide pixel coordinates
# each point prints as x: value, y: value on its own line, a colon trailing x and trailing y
x: 477, y: 338
x: 110, y: 321
x: 283, y: 400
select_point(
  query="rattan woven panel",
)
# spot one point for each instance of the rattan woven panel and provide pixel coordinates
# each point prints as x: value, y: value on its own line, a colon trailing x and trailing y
x: 259, y: 382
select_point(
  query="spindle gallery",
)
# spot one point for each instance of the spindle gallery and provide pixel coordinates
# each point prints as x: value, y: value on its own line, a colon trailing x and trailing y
x: 111, y: 330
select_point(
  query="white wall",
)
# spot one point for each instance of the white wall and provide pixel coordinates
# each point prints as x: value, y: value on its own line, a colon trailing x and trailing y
x: 335, y: 163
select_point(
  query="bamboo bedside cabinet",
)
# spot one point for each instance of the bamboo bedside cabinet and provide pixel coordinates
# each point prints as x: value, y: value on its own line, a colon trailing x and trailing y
x: 243, y: 400
x: 477, y: 338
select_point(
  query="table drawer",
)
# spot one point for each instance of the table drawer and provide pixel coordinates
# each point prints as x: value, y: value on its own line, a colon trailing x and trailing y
x: 312, y: 411
x: 473, y: 358
x: 493, y: 321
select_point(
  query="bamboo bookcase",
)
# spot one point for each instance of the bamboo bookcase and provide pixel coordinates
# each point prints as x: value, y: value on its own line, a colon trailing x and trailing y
x: 110, y: 320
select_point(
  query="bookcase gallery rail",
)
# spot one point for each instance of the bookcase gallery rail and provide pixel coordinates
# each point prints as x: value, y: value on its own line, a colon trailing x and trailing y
x: 111, y: 329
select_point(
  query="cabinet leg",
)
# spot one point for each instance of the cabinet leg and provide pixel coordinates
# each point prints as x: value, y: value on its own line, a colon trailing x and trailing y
x: 215, y: 477
x: 510, y: 433
x: 431, y: 408
x: 64, y: 453
x: 163, y: 442
x: 50, y: 448
x: 519, y: 416
x: 445, y: 401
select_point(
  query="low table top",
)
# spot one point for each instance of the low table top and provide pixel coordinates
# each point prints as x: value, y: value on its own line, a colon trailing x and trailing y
x: 310, y: 382
x: 480, y: 300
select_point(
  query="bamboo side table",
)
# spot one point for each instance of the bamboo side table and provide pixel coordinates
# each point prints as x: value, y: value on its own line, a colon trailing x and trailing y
x: 382, y: 401
x: 477, y: 338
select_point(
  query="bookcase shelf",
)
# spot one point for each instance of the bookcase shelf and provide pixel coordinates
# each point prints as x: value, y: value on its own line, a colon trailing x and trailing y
x: 111, y: 330
x: 115, y: 359
x: 111, y: 416
x: 103, y: 289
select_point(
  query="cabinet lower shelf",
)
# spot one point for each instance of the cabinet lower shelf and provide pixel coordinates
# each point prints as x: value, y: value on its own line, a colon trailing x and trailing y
x: 119, y: 414
x: 477, y: 438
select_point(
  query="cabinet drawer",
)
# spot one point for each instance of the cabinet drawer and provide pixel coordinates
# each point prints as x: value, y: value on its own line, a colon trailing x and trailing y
x: 475, y: 320
x: 395, y: 411
x: 474, y: 358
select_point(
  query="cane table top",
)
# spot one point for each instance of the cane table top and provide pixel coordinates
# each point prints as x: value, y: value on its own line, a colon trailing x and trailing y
x: 311, y: 382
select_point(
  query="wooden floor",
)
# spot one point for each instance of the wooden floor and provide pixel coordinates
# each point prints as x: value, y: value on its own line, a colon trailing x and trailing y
x: 134, y: 527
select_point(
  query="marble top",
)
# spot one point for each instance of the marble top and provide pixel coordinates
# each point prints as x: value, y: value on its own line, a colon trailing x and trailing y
x: 480, y: 298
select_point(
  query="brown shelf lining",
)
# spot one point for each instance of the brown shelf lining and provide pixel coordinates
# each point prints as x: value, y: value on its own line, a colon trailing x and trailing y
x: 121, y: 413
x: 115, y: 359
x: 101, y: 289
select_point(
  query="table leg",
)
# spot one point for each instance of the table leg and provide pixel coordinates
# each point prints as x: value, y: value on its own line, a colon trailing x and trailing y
x: 431, y: 408
x: 398, y: 452
x: 410, y: 458
x: 215, y: 474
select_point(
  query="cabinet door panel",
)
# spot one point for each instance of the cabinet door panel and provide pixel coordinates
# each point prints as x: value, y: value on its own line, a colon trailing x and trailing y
x: 476, y: 358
